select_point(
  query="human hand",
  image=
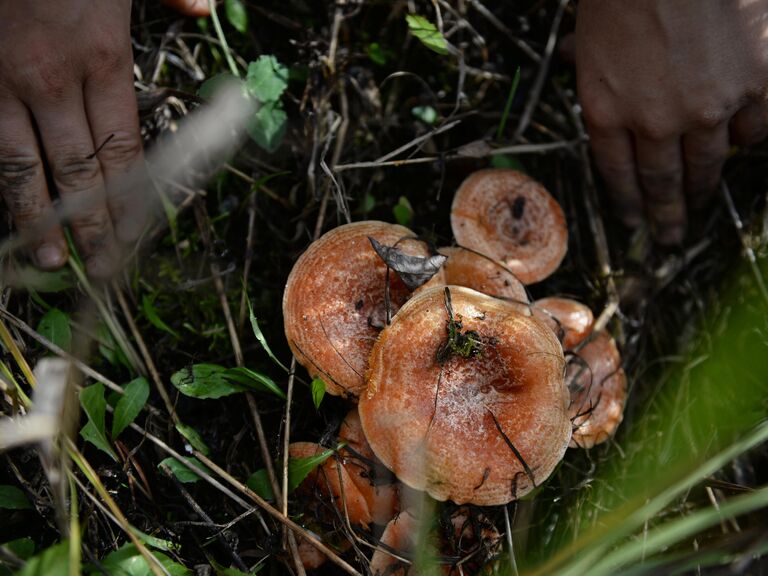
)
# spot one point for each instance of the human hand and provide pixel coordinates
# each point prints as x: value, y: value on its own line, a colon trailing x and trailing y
x: 666, y: 87
x: 67, y: 102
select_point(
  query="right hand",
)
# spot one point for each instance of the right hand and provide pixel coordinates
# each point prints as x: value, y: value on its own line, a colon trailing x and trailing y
x: 666, y: 87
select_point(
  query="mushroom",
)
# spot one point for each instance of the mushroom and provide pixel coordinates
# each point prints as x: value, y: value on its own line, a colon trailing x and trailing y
x: 511, y: 217
x: 598, y: 387
x: 334, y: 301
x: 332, y: 481
x: 471, y: 269
x: 371, y: 478
x: 465, y: 537
x: 570, y: 320
x: 466, y: 398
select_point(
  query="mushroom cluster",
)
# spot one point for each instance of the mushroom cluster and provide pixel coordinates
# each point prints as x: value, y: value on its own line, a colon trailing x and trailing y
x: 467, y: 390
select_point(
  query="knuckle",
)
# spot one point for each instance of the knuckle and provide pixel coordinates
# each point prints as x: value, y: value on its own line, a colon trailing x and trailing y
x: 599, y: 115
x: 18, y: 173
x: 654, y: 129
x: 76, y: 170
x: 120, y: 148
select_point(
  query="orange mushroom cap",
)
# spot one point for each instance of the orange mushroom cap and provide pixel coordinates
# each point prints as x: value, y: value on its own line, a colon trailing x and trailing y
x: 511, y: 217
x: 370, y: 476
x: 333, y: 482
x: 471, y: 269
x: 570, y: 320
x: 399, y: 536
x: 479, y: 416
x: 334, y: 301
x: 598, y: 387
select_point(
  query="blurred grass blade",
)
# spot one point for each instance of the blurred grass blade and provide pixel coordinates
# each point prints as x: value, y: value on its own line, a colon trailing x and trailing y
x: 675, y: 531
x: 508, y: 105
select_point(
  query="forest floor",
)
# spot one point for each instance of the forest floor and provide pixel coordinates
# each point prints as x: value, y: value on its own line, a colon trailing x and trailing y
x: 364, y: 115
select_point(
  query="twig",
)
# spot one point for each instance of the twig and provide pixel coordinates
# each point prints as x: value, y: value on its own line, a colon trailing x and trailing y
x: 416, y: 141
x: 154, y: 374
x: 541, y: 75
x: 596, y: 226
x: 499, y: 25
x: 223, y: 39
x: 204, y: 225
x: 748, y: 251
x: 287, y: 435
x: 508, y: 528
x: 276, y: 514
x: 517, y: 149
x: 207, y: 519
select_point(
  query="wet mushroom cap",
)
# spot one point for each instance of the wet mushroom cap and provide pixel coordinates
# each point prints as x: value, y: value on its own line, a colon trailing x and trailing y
x: 482, y: 273
x: 334, y: 301
x: 512, y: 218
x: 570, y: 320
x: 598, y: 388
x: 481, y: 421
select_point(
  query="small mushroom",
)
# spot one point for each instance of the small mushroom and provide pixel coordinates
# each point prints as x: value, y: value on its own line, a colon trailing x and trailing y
x: 466, y: 398
x: 511, y: 217
x: 334, y: 302
x: 598, y: 387
x: 397, y: 541
x: 370, y: 476
x: 570, y: 320
x: 465, y: 538
x: 471, y: 269
x: 332, y: 483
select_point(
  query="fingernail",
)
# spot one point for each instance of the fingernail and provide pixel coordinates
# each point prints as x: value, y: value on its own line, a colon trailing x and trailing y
x: 50, y: 256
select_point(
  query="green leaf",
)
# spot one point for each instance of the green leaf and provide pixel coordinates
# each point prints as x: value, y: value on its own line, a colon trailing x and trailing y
x: 267, y: 79
x: 182, y: 473
x: 254, y: 380
x: 508, y: 105
x: 426, y: 114
x: 129, y: 405
x: 147, y: 304
x: 24, y: 548
x: 31, y: 278
x: 506, y: 161
x: 259, y: 483
x: 193, y: 437
x: 55, y: 327
x: 53, y: 561
x: 298, y: 470
x: 205, y: 381
x: 237, y: 15
x: 427, y: 32
x: 157, y: 543
x: 13, y: 498
x: 127, y: 561
x: 267, y: 126
x: 224, y: 571
x: 260, y: 337
x: 109, y: 348
x: 93, y: 402
x: 378, y: 54
x: 403, y: 212
x: 318, y: 392
x: 212, y: 85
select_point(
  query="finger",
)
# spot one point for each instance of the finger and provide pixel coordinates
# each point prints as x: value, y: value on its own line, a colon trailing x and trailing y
x: 114, y: 122
x: 77, y: 175
x: 660, y: 171
x: 615, y: 159
x: 750, y: 124
x: 195, y: 8
x: 23, y: 186
x: 704, y: 152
